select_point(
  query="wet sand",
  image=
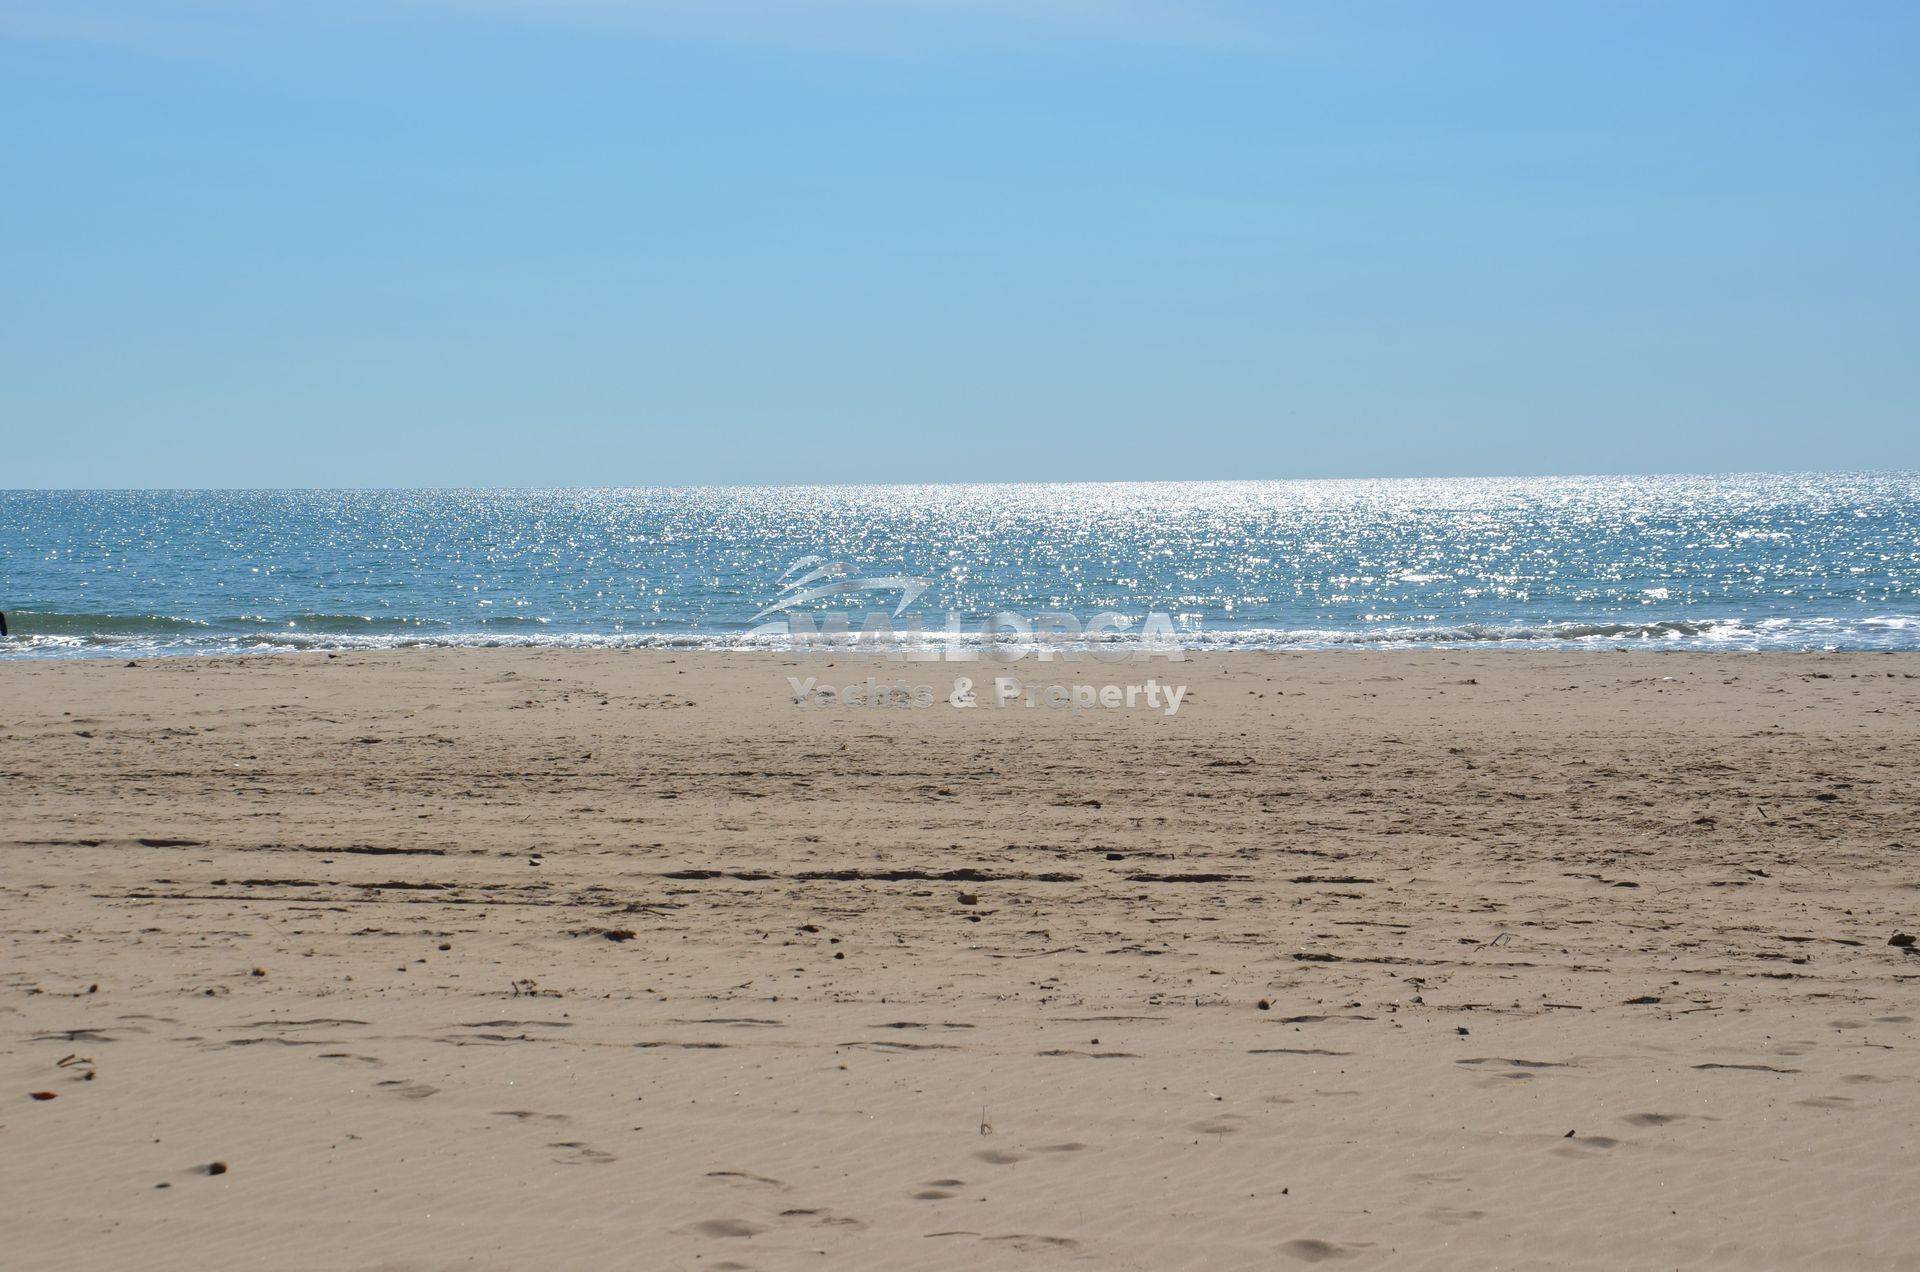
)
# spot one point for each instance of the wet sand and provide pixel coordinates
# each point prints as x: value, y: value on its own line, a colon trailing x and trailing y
x: 504, y: 959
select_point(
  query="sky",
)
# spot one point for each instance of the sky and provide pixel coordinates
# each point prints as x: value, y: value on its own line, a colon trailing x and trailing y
x: 664, y: 242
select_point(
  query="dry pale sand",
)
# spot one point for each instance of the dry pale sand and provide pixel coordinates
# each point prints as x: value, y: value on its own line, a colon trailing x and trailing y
x: 590, y: 960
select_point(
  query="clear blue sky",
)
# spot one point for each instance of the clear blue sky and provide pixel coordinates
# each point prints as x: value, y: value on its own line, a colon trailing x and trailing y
x: 612, y: 242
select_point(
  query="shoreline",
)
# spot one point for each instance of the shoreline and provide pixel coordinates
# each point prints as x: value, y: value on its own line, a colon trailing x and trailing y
x: 976, y: 654
x: 1493, y: 956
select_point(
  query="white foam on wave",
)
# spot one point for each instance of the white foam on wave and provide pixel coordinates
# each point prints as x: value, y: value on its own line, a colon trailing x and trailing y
x: 1872, y: 633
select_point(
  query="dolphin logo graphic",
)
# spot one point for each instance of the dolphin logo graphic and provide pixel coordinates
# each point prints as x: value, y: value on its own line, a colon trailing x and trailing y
x: 813, y: 578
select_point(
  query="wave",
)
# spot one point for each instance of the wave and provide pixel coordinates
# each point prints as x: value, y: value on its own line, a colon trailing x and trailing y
x: 1475, y: 633
x: 30, y: 623
x: 100, y: 626
x: 43, y: 635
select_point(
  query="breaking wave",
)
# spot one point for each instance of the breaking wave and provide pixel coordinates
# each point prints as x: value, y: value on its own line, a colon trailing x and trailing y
x: 146, y: 635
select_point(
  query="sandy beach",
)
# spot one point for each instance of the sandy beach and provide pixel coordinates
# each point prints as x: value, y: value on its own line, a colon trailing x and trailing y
x: 508, y: 959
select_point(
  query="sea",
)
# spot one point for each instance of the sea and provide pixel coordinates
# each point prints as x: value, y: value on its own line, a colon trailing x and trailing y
x: 1824, y: 561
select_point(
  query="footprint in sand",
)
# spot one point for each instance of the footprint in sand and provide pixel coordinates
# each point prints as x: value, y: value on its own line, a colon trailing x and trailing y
x: 411, y: 1090
x: 1655, y: 1119
x: 1000, y: 1156
x: 745, y: 1177
x: 1029, y: 1242
x: 579, y: 1154
x: 1225, y: 1124
x: 1308, y: 1250
x: 822, y: 1218
x: 1574, y: 1146
x: 78, y: 1035
x: 727, y: 1228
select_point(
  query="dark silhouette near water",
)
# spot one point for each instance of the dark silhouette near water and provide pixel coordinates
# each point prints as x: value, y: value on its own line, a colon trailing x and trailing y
x: 3, y: 624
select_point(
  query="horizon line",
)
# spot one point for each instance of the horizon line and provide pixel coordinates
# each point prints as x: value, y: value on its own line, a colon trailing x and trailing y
x: 839, y: 485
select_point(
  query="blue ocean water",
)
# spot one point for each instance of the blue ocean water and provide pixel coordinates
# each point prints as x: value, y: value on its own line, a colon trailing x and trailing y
x: 1822, y: 561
